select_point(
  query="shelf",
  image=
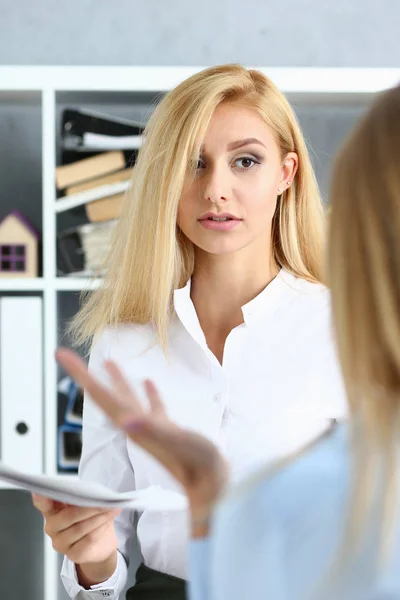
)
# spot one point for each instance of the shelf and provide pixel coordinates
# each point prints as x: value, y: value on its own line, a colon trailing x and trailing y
x: 304, y: 80
x: 76, y: 284
x: 135, y: 90
x: 67, y: 284
x: 21, y: 285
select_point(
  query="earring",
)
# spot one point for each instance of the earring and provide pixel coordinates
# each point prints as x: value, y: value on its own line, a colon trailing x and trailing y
x: 288, y: 183
x: 280, y: 191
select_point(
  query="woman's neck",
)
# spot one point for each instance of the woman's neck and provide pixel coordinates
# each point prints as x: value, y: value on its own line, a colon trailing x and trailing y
x: 221, y: 285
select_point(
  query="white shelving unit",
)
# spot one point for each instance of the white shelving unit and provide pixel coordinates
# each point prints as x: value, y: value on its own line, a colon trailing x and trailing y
x: 21, y: 285
x: 306, y: 85
x: 39, y: 284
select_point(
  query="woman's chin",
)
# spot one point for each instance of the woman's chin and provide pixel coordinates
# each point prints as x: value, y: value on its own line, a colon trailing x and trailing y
x: 220, y: 248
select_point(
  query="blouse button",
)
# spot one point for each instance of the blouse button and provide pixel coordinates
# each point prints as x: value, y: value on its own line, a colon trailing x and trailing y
x: 217, y: 397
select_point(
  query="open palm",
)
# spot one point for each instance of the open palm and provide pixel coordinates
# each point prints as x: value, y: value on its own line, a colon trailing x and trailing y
x: 192, y: 459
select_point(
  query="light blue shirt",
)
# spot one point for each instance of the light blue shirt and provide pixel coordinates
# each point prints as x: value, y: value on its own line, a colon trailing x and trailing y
x: 277, y: 539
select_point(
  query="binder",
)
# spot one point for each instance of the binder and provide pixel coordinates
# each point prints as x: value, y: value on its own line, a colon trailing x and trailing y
x: 69, y: 447
x: 21, y: 383
x: 118, y: 176
x: 89, y: 168
x: 92, y: 195
x: 70, y: 258
x: 105, y: 209
x: 83, y: 129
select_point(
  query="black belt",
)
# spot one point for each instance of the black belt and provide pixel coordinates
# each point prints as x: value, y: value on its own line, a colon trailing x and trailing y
x: 153, y: 585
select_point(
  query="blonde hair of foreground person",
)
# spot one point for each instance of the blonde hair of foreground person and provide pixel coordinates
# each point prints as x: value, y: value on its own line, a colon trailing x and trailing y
x: 364, y: 276
x: 150, y: 256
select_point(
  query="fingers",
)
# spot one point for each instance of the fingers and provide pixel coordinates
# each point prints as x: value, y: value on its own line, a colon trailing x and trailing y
x: 97, y: 540
x: 66, y: 538
x: 156, y: 404
x: 118, y: 403
x: 46, y: 506
x: 71, y: 516
x: 171, y: 445
x: 164, y: 432
x: 78, y: 370
x: 123, y: 392
x: 162, y: 439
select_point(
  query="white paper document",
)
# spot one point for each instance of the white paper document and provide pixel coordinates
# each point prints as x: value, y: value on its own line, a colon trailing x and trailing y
x: 89, y: 494
x: 112, y: 142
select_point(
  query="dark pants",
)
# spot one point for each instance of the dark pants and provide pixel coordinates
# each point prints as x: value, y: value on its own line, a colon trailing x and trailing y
x: 153, y: 585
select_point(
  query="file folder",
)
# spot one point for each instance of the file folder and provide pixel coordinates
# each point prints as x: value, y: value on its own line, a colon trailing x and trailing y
x: 21, y: 383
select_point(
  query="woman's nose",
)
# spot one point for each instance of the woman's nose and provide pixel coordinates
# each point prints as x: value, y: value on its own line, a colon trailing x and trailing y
x: 216, y: 188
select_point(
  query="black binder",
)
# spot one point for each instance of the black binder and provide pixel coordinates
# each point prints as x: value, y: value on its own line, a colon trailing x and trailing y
x: 77, y: 122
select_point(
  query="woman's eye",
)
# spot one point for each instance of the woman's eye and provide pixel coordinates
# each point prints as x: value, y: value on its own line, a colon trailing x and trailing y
x: 245, y: 162
x: 198, y: 164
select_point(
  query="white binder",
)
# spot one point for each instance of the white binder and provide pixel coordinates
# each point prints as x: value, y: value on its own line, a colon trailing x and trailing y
x: 21, y: 383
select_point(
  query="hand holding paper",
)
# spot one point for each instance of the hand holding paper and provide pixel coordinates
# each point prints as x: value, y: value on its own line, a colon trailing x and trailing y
x: 86, y: 535
x: 192, y: 459
x: 89, y: 494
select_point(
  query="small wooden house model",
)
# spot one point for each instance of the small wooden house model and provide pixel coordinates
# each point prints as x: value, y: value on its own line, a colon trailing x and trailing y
x: 19, y: 242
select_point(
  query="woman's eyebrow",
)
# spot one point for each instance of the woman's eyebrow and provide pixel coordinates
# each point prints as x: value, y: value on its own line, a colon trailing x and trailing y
x: 245, y: 142
x: 239, y: 144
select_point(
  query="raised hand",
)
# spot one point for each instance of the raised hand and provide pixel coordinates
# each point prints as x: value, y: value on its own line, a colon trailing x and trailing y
x: 192, y: 459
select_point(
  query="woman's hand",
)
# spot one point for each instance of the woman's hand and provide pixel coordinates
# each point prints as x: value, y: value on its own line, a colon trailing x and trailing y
x: 85, y: 535
x: 192, y: 459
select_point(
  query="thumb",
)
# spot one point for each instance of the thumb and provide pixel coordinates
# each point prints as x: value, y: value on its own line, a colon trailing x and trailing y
x: 46, y: 506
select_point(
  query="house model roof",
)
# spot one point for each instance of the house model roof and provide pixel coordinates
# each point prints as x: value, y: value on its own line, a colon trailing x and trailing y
x: 16, y: 213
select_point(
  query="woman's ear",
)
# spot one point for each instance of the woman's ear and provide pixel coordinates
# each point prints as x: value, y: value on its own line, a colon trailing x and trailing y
x: 289, y: 169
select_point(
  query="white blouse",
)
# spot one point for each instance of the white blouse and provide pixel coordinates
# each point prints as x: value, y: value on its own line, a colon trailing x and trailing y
x: 278, y: 388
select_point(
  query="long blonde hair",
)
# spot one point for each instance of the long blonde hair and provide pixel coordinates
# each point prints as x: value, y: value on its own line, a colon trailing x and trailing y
x: 364, y: 276
x: 150, y: 257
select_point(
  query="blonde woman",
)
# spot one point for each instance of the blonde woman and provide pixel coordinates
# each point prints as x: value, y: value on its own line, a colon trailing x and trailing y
x: 214, y: 290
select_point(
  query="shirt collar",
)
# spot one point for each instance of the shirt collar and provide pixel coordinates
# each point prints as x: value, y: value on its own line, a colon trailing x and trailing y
x: 270, y: 298
x: 265, y: 303
x: 186, y: 312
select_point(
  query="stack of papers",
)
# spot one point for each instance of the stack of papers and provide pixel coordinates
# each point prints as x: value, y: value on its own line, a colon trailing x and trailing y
x: 89, y: 494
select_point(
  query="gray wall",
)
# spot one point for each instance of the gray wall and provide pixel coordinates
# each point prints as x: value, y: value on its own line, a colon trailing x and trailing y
x: 188, y: 32
x: 173, y: 32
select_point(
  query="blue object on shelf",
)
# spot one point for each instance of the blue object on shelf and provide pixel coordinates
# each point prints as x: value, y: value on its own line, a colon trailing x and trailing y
x: 74, y: 394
